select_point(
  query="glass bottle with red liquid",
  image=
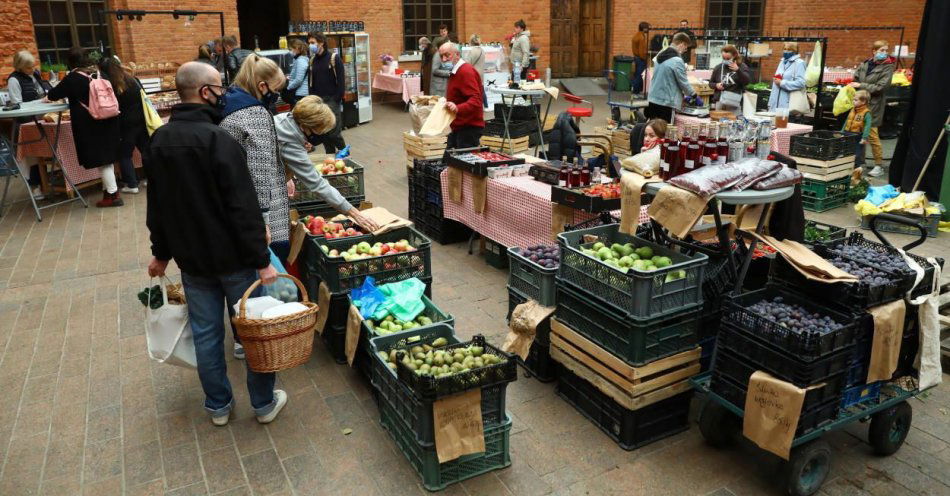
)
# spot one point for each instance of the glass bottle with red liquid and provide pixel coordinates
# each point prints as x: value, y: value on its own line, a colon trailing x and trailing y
x: 701, y: 134
x: 575, y: 180
x: 722, y: 145
x: 675, y: 162
x: 585, y: 176
x: 683, y: 144
x: 564, y: 177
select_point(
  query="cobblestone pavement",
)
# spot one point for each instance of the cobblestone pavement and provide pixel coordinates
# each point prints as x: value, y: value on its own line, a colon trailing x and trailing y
x: 86, y: 412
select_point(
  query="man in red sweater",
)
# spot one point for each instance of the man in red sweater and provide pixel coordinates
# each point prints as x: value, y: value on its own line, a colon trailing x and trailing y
x: 463, y: 97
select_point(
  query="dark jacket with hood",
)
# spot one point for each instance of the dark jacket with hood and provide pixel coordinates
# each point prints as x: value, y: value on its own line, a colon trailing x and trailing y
x: 563, y: 139
x: 202, y: 210
x: 875, y: 77
x: 325, y: 81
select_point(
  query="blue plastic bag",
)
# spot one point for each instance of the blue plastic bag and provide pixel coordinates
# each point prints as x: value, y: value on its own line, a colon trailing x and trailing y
x: 880, y: 194
x: 283, y: 289
x: 343, y: 153
x: 368, y: 298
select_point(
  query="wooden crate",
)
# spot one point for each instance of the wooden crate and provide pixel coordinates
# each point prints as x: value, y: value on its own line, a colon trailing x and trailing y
x: 424, y: 147
x: 500, y: 145
x: 631, y: 387
x: 825, y: 170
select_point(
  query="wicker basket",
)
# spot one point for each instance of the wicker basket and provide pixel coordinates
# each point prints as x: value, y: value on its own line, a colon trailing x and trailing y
x: 281, y: 343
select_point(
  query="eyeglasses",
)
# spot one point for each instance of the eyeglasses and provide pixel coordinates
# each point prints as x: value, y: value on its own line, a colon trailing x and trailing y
x: 213, y: 86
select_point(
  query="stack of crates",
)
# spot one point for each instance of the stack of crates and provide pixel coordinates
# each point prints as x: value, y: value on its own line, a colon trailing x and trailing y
x: 825, y: 159
x: 626, y: 341
x: 351, y: 185
x: 406, y: 403
x: 426, y: 206
x: 528, y: 280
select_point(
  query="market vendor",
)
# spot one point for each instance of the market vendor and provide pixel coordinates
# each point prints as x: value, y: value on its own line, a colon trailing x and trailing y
x: 312, y: 117
x: 789, y: 77
x: 874, y: 76
x: 464, y: 99
x: 654, y: 131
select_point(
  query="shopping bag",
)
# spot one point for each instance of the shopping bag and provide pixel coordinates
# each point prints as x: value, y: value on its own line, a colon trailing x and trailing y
x: 168, y: 333
x: 813, y: 70
x: 798, y: 102
x: 844, y: 101
x: 283, y: 289
x: 152, y: 119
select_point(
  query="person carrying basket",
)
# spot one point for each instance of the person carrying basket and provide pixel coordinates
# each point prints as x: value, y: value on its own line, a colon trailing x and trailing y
x: 203, y: 212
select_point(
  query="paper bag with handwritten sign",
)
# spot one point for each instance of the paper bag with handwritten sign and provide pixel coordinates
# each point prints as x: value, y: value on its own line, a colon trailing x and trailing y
x: 524, y: 325
x: 772, y: 409
x: 886, y: 345
x: 631, y: 187
x: 457, y: 420
x: 455, y: 184
x: 323, y: 302
x: 806, y: 262
x: 386, y: 220
x: 354, y: 325
x: 561, y: 215
x: 479, y: 193
x: 298, y: 234
x: 677, y: 209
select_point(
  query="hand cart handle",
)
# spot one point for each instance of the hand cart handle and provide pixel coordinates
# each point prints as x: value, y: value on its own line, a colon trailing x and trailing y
x: 898, y: 219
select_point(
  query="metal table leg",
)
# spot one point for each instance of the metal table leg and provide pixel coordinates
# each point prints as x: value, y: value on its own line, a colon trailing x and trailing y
x: 506, y: 116
x: 547, y: 111
x: 748, y: 257
x: 54, y: 147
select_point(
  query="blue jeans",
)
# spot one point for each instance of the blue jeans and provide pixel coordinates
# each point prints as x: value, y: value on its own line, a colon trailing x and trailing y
x: 636, y: 79
x: 859, y: 155
x: 205, y: 296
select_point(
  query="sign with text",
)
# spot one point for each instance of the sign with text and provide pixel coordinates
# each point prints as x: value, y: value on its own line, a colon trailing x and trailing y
x: 458, y: 427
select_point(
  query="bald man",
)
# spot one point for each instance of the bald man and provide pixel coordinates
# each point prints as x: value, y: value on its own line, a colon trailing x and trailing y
x: 203, y: 212
x: 463, y: 98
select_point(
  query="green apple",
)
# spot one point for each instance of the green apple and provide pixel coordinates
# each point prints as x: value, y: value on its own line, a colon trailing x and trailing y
x: 645, y: 252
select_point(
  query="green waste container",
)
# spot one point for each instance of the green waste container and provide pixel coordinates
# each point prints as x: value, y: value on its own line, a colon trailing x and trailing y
x: 624, y: 64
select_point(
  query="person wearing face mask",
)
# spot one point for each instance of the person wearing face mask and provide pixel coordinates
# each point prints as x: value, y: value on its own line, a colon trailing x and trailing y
x: 789, y: 77
x: 201, y: 212
x: 874, y: 76
x: 730, y: 79
x: 311, y: 117
x: 669, y: 84
x: 297, y: 86
x: 326, y: 81
x: 649, y: 156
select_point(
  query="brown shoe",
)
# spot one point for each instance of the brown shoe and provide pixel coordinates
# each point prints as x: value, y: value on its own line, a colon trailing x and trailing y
x: 110, y: 200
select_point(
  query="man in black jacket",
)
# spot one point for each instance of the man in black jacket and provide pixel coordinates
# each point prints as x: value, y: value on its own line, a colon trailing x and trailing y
x: 327, y: 81
x: 235, y: 55
x: 203, y: 212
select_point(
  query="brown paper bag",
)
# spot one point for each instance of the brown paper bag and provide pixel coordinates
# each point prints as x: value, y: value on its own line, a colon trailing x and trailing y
x: 457, y: 421
x: 772, y: 409
x: 455, y: 184
x: 323, y: 303
x: 438, y: 121
x: 747, y: 216
x: 354, y: 324
x: 631, y: 187
x: 561, y: 215
x: 524, y: 325
x: 298, y: 234
x: 479, y: 193
x: 806, y: 261
x: 677, y: 209
x: 386, y: 220
x: 886, y: 345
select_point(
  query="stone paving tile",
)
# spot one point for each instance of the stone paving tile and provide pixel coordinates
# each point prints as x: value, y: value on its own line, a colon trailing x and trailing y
x: 86, y: 411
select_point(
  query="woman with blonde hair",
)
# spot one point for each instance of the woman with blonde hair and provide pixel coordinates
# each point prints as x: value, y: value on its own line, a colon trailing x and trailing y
x: 789, y: 77
x: 311, y: 118
x: 24, y: 84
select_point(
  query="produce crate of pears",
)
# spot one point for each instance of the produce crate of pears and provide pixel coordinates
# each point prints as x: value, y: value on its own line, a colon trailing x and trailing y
x: 346, y: 175
x: 634, y: 277
x: 411, y: 370
x: 389, y: 257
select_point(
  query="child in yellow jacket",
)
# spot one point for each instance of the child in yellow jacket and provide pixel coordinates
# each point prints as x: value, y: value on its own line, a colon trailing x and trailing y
x: 859, y: 121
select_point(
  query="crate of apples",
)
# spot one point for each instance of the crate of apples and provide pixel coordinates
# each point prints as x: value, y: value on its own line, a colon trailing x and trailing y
x: 332, y: 166
x: 318, y: 226
x: 364, y: 250
x: 606, y: 191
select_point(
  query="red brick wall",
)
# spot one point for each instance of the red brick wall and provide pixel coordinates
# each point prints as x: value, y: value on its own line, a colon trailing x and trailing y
x: 492, y: 20
x: 382, y: 19
x: 628, y: 14
x: 16, y: 34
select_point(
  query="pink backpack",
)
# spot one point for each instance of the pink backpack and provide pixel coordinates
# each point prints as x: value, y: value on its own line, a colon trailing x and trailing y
x: 102, y: 101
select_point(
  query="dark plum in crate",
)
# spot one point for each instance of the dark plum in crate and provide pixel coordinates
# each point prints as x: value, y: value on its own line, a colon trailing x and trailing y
x: 790, y: 322
x: 887, y: 259
x: 532, y: 272
x: 876, y: 288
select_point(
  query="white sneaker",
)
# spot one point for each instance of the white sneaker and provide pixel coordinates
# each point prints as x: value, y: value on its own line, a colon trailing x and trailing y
x: 222, y: 420
x: 38, y: 194
x: 877, y: 171
x: 132, y: 191
x: 239, y: 351
x: 281, y: 398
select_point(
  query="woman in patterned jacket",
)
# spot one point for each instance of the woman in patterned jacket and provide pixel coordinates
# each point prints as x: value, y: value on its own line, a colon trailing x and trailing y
x: 247, y: 119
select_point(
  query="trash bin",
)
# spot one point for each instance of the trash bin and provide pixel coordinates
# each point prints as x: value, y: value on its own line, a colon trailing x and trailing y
x: 624, y: 64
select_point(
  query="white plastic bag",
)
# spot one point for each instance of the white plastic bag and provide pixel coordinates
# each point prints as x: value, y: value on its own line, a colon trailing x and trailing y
x: 928, y: 365
x: 813, y: 71
x: 168, y: 333
x: 798, y: 102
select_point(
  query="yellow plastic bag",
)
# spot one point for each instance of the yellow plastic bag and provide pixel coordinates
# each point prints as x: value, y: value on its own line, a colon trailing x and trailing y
x: 844, y: 101
x: 152, y: 119
x: 900, y: 79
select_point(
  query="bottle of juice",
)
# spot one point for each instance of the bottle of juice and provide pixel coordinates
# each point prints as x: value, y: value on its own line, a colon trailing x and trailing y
x: 693, y: 158
x: 675, y: 161
x: 708, y: 151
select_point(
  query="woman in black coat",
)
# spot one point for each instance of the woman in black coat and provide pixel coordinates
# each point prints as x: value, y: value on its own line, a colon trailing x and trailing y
x: 97, y: 141
x: 133, y: 133
x: 731, y: 75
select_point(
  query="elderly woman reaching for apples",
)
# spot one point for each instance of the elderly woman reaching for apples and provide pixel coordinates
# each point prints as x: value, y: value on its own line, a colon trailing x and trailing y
x: 312, y: 117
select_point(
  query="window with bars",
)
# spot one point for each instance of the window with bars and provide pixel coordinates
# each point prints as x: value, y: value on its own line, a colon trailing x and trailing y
x: 423, y: 18
x: 62, y: 24
x: 735, y: 15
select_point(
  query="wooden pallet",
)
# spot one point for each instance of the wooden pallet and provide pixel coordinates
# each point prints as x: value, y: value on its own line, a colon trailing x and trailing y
x: 824, y: 164
x: 826, y: 177
x: 826, y: 171
x: 631, y: 387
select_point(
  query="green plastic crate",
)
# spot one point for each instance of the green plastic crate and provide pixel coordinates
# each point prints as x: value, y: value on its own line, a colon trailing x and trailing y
x: 530, y: 279
x: 824, y: 189
x: 437, y: 476
x: 349, y: 185
x: 496, y: 254
x: 635, y: 341
x: 431, y: 311
x: 823, y: 204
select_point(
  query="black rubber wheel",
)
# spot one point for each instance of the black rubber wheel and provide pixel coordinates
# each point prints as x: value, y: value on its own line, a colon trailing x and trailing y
x: 718, y: 425
x: 889, y: 428
x: 807, y: 468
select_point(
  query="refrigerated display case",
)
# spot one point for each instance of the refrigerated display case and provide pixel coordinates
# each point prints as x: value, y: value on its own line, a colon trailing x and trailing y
x: 353, y: 50
x: 364, y: 86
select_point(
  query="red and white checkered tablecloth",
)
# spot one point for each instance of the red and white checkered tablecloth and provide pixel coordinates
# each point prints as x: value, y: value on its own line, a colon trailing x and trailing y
x: 780, y: 138
x: 66, y: 149
x: 408, y: 87
x: 831, y: 76
x: 518, y: 210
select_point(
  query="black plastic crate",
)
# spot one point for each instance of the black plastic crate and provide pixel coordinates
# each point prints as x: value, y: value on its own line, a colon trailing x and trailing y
x: 808, y: 421
x: 824, y: 145
x: 518, y: 112
x: 457, y: 158
x: 485, y: 377
x: 807, y: 345
x: 539, y: 363
x: 343, y: 276
x: 334, y: 337
x: 739, y: 368
x: 325, y: 210
x: 782, y: 364
x: 818, y: 233
x: 578, y: 200
x: 443, y: 231
x: 496, y: 254
x: 348, y: 184
x: 516, y: 129
x: 908, y: 274
x: 852, y: 295
x: 635, y: 341
x: 910, y: 345
x: 630, y: 429
x: 708, y: 348
x: 637, y: 294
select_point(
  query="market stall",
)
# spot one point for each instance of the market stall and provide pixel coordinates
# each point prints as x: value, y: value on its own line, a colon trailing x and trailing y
x: 779, y: 137
x: 405, y: 85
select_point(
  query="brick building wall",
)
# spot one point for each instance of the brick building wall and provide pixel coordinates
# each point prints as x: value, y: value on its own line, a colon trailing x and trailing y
x: 16, y: 34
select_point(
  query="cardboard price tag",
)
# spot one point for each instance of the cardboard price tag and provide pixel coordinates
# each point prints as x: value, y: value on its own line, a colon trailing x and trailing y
x: 455, y: 184
x: 479, y: 193
x: 323, y: 302
x: 354, y: 325
x: 561, y: 215
x: 772, y: 410
x: 458, y: 427
x: 524, y: 325
x: 886, y: 345
x: 298, y: 234
x: 631, y: 188
x: 677, y: 209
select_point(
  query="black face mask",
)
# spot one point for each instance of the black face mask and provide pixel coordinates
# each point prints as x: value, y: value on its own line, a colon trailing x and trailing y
x: 269, y: 98
x: 219, y: 101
